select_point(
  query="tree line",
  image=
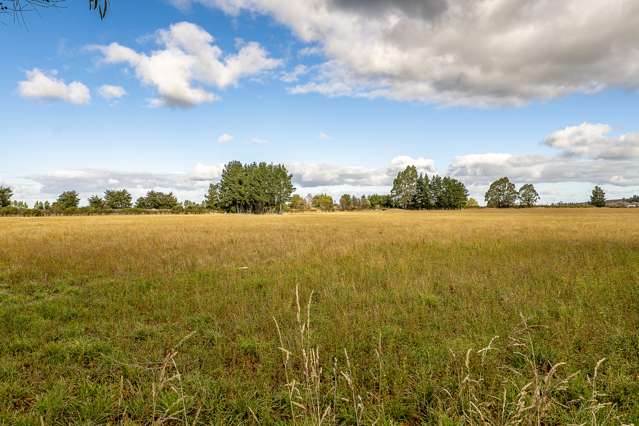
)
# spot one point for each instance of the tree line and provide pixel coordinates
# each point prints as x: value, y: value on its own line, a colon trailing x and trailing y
x: 267, y: 188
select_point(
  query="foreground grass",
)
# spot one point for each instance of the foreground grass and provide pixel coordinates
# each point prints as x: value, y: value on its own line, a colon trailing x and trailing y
x: 175, y: 318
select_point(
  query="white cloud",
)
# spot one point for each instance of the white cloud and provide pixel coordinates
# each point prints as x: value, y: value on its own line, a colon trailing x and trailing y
x: 322, y: 175
x: 295, y: 74
x: 324, y: 136
x: 39, y: 85
x: 111, y: 92
x: 186, y: 61
x: 460, y: 52
x: 593, y: 141
x: 585, y: 154
x: 225, y: 138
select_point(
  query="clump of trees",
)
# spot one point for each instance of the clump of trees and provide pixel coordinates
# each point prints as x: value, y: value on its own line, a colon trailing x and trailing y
x: 419, y: 191
x: 252, y: 188
x: 160, y: 201
x: 502, y: 193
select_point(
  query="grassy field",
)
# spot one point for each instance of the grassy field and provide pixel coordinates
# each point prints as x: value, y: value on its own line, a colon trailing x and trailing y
x: 402, y: 318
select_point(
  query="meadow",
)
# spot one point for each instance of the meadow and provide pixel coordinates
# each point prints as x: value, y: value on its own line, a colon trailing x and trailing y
x: 518, y: 316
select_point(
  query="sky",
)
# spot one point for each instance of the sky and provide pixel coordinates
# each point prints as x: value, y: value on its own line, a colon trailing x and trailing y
x: 345, y: 93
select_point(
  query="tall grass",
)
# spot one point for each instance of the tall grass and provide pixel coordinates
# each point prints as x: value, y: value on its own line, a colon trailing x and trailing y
x: 351, y: 318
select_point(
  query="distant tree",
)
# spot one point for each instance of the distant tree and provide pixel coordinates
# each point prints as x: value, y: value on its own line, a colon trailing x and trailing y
x: 598, y: 197
x: 378, y: 201
x: 424, y: 195
x: 364, y: 204
x: 453, y: 195
x: 528, y: 195
x: 212, y: 197
x: 157, y: 201
x: 67, y: 200
x: 298, y: 203
x: 47, y: 205
x: 96, y: 202
x: 472, y: 204
x: 19, y: 204
x: 346, y: 202
x: 118, y: 199
x: 404, y: 192
x: 436, y: 190
x: 501, y: 194
x: 254, y: 188
x: 191, y: 205
x: 233, y: 188
x: 323, y: 202
x: 5, y: 196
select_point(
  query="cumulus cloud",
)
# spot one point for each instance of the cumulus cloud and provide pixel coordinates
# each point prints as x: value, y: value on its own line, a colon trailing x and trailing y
x: 295, y: 74
x: 594, y: 141
x: 324, y: 136
x: 40, y: 85
x: 460, y: 52
x: 586, y: 153
x: 225, y: 138
x: 322, y: 175
x: 111, y: 92
x: 188, y: 61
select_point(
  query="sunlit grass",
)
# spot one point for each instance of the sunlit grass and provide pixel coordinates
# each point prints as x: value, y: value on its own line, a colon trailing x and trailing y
x: 91, y: 309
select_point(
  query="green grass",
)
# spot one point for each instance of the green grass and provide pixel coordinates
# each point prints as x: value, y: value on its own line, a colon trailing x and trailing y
x: 94, y: 312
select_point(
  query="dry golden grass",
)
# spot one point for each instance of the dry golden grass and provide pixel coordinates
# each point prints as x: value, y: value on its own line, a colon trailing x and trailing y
x: 90, y: 308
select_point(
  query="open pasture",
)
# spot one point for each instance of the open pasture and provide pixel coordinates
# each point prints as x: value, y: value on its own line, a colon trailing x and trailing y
x: 175, y: 319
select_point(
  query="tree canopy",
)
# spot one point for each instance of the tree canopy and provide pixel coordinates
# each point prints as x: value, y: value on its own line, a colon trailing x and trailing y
x: 528, y: 195
x: 120, y: 199
x: 254, y: 188
x: 67, y: 200
x: 157, y: 201
x: 418, y: 191
x: 501, y: 194
x: 5, y: 196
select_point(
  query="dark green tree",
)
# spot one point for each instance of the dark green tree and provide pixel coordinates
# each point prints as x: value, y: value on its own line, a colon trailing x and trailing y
x: 528, y: 195
x: 598, y: 197
x: 378, y: 201
x: 67, y: 200
x: 118, y: 199
x: 157, y: 201
x: 96, y: 202
x: 454, y: 194
x: 501, y: 194
x: 5, y: 196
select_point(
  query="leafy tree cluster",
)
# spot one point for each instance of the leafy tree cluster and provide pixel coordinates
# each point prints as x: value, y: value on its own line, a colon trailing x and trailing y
x: 353, y: 202
x: 419, y: 191
x: 502, y: 193
x: 252, y: 188
x: 323, y: 202
x: 158, y: 201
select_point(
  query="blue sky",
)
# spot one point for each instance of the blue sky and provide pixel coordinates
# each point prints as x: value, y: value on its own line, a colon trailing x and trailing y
x: 370, y: 100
